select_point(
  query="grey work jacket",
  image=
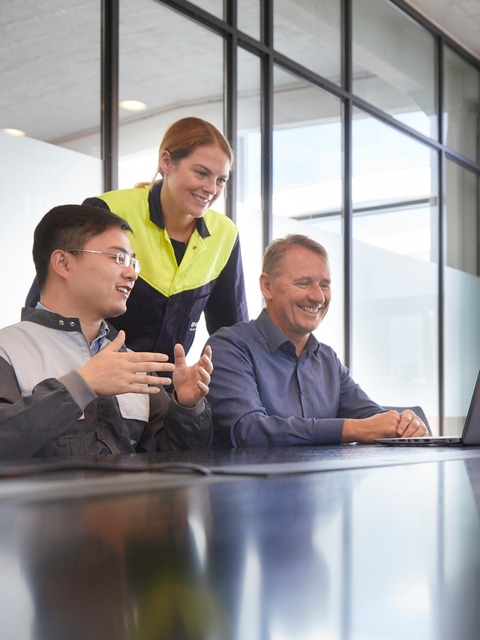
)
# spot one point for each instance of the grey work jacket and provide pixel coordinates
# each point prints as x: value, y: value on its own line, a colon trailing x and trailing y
x: 47, y: 409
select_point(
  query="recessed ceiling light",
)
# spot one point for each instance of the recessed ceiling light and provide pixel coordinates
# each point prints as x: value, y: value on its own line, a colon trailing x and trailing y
x: 15, y: 132
x: 133, y: 105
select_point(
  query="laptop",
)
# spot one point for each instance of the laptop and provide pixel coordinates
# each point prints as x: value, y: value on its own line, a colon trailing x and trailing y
x: 471, y: 428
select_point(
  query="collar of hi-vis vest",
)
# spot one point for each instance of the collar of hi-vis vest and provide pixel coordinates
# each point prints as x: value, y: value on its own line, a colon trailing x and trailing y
x: 206, y: 254
x: 156, y: 212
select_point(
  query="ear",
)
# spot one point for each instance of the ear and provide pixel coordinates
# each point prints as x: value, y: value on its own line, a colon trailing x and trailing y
x: 165, y: 162
x: 266, y: 286
x: 60, y: 263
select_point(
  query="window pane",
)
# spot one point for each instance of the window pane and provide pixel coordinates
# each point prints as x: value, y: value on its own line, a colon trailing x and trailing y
x: 215, y: 7
x: 307, y: 184
x: 249, y: 17
x: 173, y: 82
x: 308, y: 31
x: 462, y: 105
x: 462, y: 219
x: 50, y: 70
x: 49, y: 91
x: 394, y: 64
x: 395, y: 291
x: 149, y: 33
x: 462, y: 294
x: 247, y: 174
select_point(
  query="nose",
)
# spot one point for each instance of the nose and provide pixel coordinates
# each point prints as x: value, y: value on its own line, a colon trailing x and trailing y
x: 210, y: 186
x: 132, y: 274
x: 318, y: 294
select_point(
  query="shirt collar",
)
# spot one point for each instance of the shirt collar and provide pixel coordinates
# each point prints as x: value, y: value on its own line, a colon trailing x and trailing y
x: 276, y: 339
x: 103, y: 333
x: 156, y: 213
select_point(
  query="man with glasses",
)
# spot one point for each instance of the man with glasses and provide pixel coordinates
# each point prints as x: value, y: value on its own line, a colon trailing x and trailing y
x: 68, y: 385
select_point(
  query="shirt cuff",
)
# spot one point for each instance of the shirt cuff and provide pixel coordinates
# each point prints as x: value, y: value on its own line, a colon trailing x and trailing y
x: 196, y: 410
x: 80, y: 391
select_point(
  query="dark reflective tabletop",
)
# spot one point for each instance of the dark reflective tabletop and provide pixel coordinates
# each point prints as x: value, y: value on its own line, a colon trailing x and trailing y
x: 349, y: 542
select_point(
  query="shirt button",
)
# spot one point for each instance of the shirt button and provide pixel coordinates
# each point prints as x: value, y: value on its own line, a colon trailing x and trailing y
x: 61, y: 323
x: 72, y: 324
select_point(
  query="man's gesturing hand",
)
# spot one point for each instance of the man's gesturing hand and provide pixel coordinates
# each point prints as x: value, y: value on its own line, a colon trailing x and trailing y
x: 112, y: 372
x: 191, y: 383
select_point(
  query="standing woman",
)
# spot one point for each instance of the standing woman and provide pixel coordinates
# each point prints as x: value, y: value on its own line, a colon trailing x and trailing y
x: 189, y: 254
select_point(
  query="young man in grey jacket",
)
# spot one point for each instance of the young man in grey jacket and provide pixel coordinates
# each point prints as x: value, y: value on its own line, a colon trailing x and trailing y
x: 68, y: 385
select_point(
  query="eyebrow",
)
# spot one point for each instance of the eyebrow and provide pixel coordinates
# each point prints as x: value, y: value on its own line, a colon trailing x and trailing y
x: 207, y: 170
x: 312, y: 279
x: 123, y: 250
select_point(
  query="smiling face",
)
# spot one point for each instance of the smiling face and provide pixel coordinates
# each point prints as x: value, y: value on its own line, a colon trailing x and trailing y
x: 191, y: 185
x: 298, y: 294
x: 98, y: 286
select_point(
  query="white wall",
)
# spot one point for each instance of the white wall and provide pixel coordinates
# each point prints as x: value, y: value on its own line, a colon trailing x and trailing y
x: 35, y: 177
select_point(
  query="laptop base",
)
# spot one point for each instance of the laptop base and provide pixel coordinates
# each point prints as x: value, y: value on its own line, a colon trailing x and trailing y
x: 421, y: 441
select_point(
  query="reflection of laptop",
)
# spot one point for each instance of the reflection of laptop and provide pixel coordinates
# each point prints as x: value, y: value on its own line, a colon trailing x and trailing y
x: 471, y: 429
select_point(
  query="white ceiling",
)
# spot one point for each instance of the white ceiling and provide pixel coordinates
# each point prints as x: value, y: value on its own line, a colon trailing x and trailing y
x: 39, y: 39
x: 460, y: 19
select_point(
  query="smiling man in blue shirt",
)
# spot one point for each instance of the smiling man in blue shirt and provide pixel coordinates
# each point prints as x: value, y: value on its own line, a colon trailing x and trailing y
x: 274, y: 384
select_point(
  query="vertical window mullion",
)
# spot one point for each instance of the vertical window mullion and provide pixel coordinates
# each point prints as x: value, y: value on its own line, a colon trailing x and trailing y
x: 347, y: 178
x: 439, y: 69
x: 109, y: 92
x: 230, y: 101
x: 267, y: 120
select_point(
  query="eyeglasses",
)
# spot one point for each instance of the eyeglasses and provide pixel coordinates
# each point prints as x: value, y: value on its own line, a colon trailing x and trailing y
x: 124, y: 259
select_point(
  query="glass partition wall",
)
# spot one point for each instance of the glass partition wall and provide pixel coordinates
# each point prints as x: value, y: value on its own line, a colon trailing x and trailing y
x: 354, y: 122
x: 307, y: 179
x: 395, y: 264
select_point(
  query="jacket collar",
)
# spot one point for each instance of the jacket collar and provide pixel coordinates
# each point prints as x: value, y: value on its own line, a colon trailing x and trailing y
x: 156, y: 213
x: 41, y: 315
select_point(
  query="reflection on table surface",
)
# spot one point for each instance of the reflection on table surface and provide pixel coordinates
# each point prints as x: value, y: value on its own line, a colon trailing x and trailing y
x: 386, y: 549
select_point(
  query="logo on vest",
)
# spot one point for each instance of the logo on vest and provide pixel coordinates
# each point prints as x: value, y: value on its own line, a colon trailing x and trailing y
x: 193, y: 326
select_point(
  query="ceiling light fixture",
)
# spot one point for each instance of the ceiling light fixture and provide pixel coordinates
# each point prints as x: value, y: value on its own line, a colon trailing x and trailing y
x: 133, y: 105
x: 14, y: 132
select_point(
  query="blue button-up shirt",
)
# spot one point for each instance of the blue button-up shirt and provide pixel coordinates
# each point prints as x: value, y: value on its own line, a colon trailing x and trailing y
x: 262, y: 394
